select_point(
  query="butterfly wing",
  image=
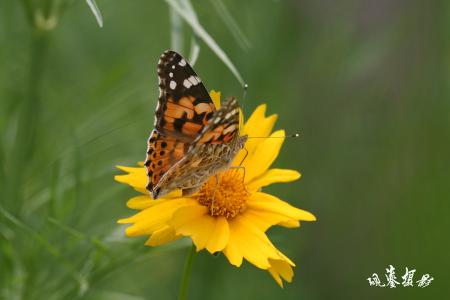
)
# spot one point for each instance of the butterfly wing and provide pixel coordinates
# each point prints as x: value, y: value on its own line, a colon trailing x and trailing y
x: 184, y: 105
x: 184, y: 108
x: 223, y: 126
x: 162, y: 153
x: 212, y: 151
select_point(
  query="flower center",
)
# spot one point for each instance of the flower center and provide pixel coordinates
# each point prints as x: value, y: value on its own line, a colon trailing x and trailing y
x: 225, y: 195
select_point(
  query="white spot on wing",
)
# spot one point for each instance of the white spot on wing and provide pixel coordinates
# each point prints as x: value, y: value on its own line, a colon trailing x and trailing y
x: 193, y: 80
x: 187, y: 84
x: 229, y: 129
x: 182, y: 63
x: 171, y: 74
x: 173, y: 85
x: 173, y: 66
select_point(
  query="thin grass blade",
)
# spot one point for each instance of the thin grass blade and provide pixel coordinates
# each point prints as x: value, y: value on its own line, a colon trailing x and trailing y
x: 176, y: 31
x: 195, y: 50
x: 231, y: 24
x: 206, y: 37
x: 94, y: 8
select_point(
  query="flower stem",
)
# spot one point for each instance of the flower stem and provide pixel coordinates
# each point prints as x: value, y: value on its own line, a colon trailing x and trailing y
x: 186, y: 273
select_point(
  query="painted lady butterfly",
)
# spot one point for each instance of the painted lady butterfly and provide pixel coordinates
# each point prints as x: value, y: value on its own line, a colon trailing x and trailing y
x: 192, y: 140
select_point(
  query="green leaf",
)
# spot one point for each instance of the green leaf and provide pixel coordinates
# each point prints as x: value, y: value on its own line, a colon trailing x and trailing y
x: 94, y: 8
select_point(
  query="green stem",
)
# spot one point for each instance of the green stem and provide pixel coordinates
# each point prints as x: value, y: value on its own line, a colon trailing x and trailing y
x: 186, y: 273
x: 28, y: 116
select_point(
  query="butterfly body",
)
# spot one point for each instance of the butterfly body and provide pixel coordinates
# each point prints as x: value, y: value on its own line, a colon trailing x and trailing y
x: 192, y: 140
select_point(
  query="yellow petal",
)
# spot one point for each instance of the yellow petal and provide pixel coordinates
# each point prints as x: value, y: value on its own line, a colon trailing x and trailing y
x: 247, y: 241
x: 264, y: 202
x: 265, y: 219
x: 273, y: 176
x: 131, y: 169
x: 153, y: 218
x: 219, y: 236
x: 194, y: 221
x: 136, y: 177
x: 265, y: 154
x: 285, y: 258
x: 162, y: 236
x: 232, y: 250
x: 258, y: 124
x: 256, y: 127
x: 276, y: 276
x: 290, y: 224
x: 141, y: 202
x: 280, y: 267
x: 215, y: 97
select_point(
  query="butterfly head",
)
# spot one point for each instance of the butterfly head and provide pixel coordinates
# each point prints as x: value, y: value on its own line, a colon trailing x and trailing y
x: 155, y: 193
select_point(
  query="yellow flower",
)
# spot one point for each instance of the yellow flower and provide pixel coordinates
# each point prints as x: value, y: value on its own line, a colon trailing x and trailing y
x: 229, y: 215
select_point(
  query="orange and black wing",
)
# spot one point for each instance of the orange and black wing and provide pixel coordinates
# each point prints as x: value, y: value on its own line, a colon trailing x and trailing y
x: 184, y: 105
x: 183, y: 110
x: 212, y: 151
x: 223, y: 126
x: 162, y: 153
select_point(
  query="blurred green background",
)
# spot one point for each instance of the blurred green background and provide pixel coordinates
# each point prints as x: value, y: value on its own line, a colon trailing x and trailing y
x: 366, y: 83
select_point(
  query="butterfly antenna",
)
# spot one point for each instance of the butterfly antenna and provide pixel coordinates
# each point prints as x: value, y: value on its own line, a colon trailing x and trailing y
x: 244, y: 97
x: 295, y: 135
x: 244, y: 93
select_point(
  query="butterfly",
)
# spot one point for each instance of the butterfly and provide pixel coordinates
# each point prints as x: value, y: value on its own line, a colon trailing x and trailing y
x: 192, y: 140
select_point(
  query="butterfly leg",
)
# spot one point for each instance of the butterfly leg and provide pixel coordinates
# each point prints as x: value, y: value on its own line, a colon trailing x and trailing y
x: 245, y: 156
x: 240, y: 168
x: 214, y: 193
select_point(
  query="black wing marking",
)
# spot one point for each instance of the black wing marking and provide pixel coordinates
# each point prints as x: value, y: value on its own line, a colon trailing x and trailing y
x: 184, y: 105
